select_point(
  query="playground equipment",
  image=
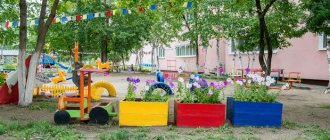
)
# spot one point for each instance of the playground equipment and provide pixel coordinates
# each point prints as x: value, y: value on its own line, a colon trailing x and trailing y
x: 9, y: 91
x: 293, y: 77
x: 55, y: 90
x: 60, y: 78
x: 99, y: 114
x: 96, y: 93
x: 101, y: 65
x: 160, y: 84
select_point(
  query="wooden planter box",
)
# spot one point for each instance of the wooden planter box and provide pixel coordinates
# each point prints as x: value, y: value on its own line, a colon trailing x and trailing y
x: 199, y: 115
x: 254, y: 113
x: 138, y: 113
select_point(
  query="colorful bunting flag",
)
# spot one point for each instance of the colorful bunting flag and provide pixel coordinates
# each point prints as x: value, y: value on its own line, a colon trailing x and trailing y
x: 84, y: 16
x: 10, y: 24
x: 78, y: 18
x: 108, y: 13
x: 64, y: 19
x: 36, y: 22
x: 140, y: 9
x: 153, y: 7
x: 15, y: 24
x: 90, y: 16
x: 124, y: 11
x: 96, y: 15
x: 102, y: 14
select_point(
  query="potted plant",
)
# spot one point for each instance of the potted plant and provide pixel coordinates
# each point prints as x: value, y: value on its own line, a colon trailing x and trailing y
x: 253, y: 104
x: 199, y: 105
x: 149, y: 110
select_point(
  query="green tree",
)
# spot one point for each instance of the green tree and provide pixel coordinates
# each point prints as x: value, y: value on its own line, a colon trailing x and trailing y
x: 270, y: 22
x: 318, y: 21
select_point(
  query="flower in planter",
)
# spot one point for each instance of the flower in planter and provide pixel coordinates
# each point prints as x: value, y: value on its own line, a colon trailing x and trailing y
x: 256, y: 90
x: 180, y: 79
x: 247, y: 70
x: 132, y: 87
x: 221, y: 70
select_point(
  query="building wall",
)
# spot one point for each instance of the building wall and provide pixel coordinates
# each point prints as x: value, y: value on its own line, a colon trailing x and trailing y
x: 303, y: 56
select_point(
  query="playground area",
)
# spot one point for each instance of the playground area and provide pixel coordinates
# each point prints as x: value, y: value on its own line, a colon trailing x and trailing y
x: 305, y: 116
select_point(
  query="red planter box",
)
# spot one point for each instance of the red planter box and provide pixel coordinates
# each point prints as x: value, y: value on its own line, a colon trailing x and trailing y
x: 199, y: 115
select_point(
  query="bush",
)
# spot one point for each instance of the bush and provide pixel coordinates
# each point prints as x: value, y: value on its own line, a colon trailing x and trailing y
x: 2, y: 78
x: 10, y: 66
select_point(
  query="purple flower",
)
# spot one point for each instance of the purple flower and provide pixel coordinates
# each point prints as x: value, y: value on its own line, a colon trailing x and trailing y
x: 150, y: 81
x: 137, y: 80
x: 247, y: 70
x: 128, y: 79
x: 221, y: 70
x: 225, y: 83
x: 212, y: 84
x: 169, y: 78
x: 129, y: 69
x: 239, y: 79
x: 134, y: 88
x: 172, y: 84
x: 210, y: 92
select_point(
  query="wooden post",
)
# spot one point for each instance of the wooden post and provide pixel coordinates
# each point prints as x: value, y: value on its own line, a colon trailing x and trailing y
x: 82, y: 96
x: 89, y: 92
x: 76, y: 51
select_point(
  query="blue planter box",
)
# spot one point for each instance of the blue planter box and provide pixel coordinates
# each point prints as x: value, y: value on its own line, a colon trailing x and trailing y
x: 254, y: 113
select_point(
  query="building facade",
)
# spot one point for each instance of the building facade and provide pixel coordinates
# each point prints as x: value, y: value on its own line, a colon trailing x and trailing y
x: 306, y: 54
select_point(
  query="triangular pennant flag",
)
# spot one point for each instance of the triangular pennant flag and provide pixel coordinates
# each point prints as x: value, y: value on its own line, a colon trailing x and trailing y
x: 129, y: 12
x: 124, y: 11
x: 185, y: 4
x: 153, y: 7
x: 73, y: 18
x: 19, y: 24
x: 102, y: 14
x: 68, y: 18
x: 2, y: 25
x: 6, y: 25
x: 90, y: 16
x: 140, y: 9
x: 84, y: 16
x: 189, y: 4
x: 96, y: 15
x: 64, y: 19
x: 57, y: 20
x: 114, y: 12
x: 78, y: 18
x: 36, y: 22
x: 53, y: 20
x: 108, y: 13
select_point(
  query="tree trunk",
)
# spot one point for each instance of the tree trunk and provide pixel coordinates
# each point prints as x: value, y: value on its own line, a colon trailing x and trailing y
x: 197, y: 56
x: 152, y: 59
x: 104, y: 52
x: 262, y: 45
x: 26, y: 92
x: 328, y: 53
x: 123, y: 60
x: 21, y: 69
x: 218, y: 57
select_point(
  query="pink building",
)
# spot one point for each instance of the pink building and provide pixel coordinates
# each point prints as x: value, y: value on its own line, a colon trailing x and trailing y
x: 306, y: 55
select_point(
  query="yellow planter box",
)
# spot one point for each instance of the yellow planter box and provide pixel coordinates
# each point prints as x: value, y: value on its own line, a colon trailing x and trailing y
x: 135, y: 113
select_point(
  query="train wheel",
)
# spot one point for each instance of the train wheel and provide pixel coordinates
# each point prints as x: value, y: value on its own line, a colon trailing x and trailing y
x: 62, y: 117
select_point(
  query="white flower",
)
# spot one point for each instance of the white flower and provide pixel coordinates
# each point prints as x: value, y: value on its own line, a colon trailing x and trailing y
x: 239, y: 82
x: 195, y: 84
x: 287, y: 85
x: 189, y: 85
x: 249, y: 81
x: 180, y: 70
x: 181, y: 79
x: 196, y: 78
x: 192, y: 76
x: 268, y: 83
x: 229, y: 80
x: 268, y: 78
x: 283, y: 87
x: 146, y: 87
x: 244, y: 81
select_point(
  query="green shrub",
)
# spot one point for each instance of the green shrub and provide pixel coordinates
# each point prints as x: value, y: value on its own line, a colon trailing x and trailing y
x: 10, y: 66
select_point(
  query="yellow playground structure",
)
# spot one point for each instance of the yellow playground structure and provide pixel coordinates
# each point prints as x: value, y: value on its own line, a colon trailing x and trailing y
x: 98, y: 89
x: 60, y: 78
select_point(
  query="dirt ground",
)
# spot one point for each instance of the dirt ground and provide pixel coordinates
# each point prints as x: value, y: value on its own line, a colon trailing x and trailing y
x: 301, y: 107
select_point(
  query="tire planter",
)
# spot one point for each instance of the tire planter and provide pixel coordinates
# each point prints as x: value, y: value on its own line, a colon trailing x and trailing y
x: 262, y: 114
x: 199, y: 115
x: 138, y: 113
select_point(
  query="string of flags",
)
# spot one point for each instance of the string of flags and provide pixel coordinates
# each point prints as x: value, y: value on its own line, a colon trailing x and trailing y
x: 88, y: 16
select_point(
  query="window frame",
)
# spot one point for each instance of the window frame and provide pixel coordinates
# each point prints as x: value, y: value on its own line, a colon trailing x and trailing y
x: 185, y: 51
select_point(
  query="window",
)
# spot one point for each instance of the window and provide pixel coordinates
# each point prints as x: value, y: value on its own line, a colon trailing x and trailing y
x: 324, y: 42
x: 185, y: 51
x: 234, y: 43
x: 161, y: 52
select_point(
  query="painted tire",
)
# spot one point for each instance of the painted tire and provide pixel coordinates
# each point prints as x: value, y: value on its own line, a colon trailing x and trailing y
x: 99, y: 115
x: 161, y: 86
x: 62, y: 117
x: 96, y: 94
x: 160, y: 77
